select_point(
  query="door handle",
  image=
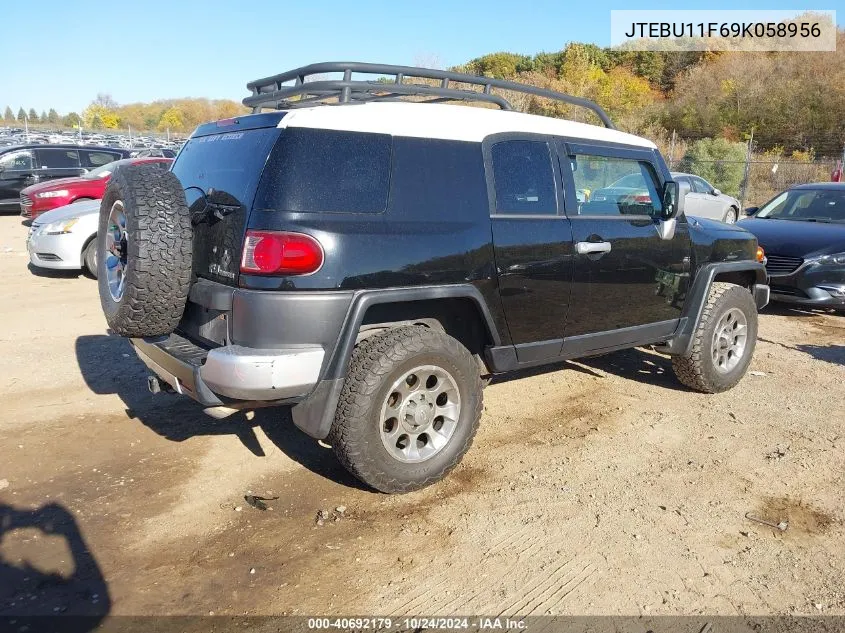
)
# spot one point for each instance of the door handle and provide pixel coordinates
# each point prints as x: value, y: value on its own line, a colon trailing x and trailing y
x: 588, y: 248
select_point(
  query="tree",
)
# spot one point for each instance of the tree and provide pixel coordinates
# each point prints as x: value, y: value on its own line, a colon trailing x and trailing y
x: 53, y: 116
x: 9, y: 116
x: 98, y: 116
x: 72, y: 119
x: 33, y: 116
x: 719, y: 161
x: 21, y: 115
x: 43, y: 117
x: 105, y: 100
x: 172, y: 119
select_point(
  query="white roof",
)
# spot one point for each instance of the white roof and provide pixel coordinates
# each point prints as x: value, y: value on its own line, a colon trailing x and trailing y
x: 453, y: 122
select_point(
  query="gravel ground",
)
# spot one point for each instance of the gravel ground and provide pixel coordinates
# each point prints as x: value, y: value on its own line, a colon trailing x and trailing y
x: 601, y: 487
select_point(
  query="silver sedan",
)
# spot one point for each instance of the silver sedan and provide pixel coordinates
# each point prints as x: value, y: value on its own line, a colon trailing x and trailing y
x: 703, y: 200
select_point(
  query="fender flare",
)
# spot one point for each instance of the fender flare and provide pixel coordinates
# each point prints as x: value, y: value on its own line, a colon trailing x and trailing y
x: 681, y: 342
x: 315, y: 414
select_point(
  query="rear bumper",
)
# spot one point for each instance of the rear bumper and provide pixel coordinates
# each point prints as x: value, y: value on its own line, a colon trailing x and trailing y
x: 231, y: 371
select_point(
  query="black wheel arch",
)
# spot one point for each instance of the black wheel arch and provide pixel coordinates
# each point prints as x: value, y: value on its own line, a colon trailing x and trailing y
x: 459, y: 309
x: 749, y: 274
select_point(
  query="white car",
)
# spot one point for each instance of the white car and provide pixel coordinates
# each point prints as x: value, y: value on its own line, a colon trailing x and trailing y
x: 65, y: 238
x: 703, y: 200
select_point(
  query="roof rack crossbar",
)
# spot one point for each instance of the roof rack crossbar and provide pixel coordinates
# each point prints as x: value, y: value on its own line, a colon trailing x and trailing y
x: 276, y: 91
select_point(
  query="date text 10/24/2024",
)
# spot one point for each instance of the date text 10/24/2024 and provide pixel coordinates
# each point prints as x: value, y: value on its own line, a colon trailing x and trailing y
x: 418, y: 623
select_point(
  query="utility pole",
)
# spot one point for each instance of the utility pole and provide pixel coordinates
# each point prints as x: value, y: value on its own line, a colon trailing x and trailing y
x: 748, y: 150
x: 672, y: 151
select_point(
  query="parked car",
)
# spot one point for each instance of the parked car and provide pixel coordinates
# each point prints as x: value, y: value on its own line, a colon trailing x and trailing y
x: 703, y: 200
x: 370, y: 264
x: 64, y: 238
x: 624, y: 196
x: 44, y: 196
x: 25, y: 165
x: 803, y: 233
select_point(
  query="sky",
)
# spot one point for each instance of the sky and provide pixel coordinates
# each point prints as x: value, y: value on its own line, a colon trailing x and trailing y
x: 61, y: 54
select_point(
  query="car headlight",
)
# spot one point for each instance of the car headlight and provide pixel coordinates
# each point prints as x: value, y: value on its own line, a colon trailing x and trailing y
x: 836, y: 259
x: 58, y: 193
x: 60, y: 228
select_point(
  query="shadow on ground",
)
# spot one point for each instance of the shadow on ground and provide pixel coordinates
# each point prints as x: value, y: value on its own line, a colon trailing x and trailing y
x: 54, y: 274
x: 28, y: 585
x: 109, y: 366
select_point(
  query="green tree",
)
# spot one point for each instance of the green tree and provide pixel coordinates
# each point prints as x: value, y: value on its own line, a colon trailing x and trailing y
x: 719, y: 161
x: 72, y: 119
x: 500, y: 65
x: 43, y: 117
x: 9, y: 116
x: 53, y: 116
x: 21, y: 115
x: 33, y: 116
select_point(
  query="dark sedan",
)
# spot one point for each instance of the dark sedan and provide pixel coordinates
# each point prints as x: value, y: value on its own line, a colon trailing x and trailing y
x: 802, y: 231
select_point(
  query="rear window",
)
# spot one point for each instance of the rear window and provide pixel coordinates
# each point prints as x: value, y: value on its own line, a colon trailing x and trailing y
x: 229, y: 163
x: 327, y: 171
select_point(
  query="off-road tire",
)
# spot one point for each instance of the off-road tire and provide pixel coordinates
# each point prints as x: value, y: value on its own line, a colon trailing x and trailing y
x: 697, y: 370
x: 159, y: 248
x: 89, y: 258
x: 376, y: 363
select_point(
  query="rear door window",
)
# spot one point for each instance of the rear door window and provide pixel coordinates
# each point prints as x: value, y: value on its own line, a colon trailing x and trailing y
x: 57, y: 158
x: 523, y: 177
x: 92, y: 159
x: 327, y: 171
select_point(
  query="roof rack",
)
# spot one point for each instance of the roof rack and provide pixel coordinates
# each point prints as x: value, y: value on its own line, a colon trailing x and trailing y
x: 392, y: 84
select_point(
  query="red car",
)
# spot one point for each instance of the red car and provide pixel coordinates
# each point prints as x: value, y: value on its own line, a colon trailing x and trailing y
x: 42, y: 197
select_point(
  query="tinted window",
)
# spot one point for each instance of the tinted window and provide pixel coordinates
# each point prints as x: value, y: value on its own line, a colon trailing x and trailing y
x: 97, y: 159
x: 57, y: 158
x: 615, y: 186
x: 327, y: 171
x: 16, y: 160
x: 229, y: 163
x: 524, y: 181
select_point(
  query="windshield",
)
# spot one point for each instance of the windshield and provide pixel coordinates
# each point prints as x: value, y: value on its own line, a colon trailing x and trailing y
x: 102, y: 172
x: 806, y: 205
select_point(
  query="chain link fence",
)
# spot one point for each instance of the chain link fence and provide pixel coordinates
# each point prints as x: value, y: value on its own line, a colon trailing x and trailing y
x: 754, y: 182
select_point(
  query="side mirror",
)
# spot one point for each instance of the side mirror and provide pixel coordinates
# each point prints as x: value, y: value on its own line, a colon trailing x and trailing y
x: 672, y: 200
x: 716, y: 192
x: 751, y: 210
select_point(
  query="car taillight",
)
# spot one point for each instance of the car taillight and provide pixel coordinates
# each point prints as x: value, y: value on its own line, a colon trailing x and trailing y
x: 280, y: 253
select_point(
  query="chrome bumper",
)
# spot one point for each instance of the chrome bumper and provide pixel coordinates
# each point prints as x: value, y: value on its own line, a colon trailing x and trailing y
x: 231, y: 371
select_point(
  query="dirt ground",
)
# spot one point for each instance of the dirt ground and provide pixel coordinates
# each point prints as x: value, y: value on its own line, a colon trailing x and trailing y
x: 602, y: 487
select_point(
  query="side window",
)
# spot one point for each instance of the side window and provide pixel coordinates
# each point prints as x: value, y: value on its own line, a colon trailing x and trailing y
x: 16, y: 160
x: 97, y: 159
x: 57, y: 158
x: 701, y: 185
x: 523, y: 176
x: 327, y: 171
x: 615, y: 186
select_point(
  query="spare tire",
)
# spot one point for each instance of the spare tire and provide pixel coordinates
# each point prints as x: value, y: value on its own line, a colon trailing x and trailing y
x: 144, y: 247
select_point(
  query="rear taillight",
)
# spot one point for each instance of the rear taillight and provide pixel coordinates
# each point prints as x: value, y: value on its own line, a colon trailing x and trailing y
x: 280, y: 253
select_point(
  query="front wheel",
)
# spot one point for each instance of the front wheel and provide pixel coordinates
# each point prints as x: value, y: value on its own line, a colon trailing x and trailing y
x: 731, y: 216
x: 409, y: 409
x: 723, y: 342
x: 89, y: 258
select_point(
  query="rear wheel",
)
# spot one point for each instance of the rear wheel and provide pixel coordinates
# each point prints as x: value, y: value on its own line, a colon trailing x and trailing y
x: 89, y: 257
x: 723, y: 343
x: 409, y: 409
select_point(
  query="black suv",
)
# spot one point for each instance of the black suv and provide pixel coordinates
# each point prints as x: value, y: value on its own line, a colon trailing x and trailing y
x: 25, y: 165
x: 373, y: 262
